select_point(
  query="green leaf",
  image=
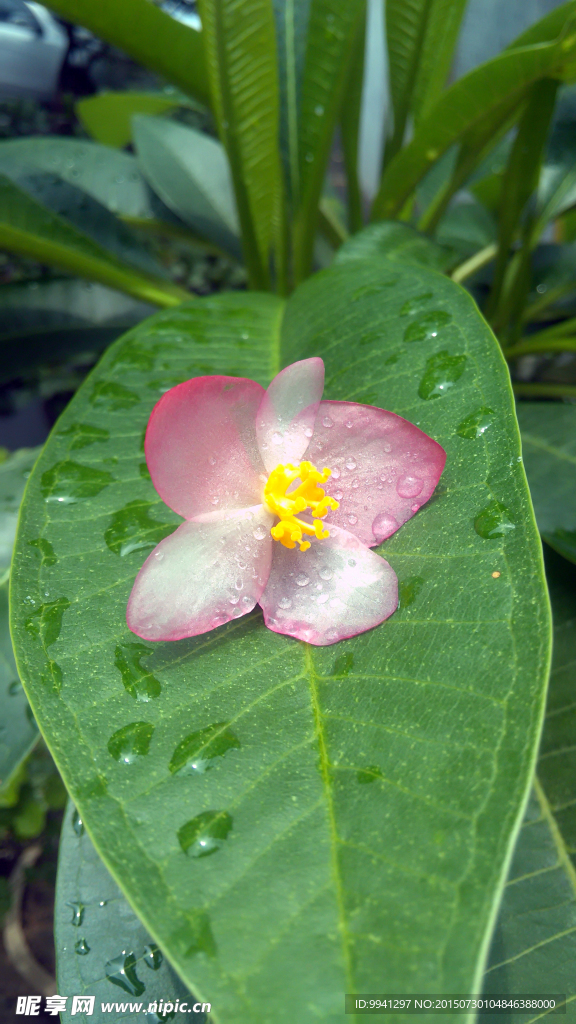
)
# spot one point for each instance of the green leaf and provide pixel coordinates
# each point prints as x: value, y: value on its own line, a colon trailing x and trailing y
x: 549, y: 449
x: 241, y: 56
x: 321, y: 875
x: 107, y: 117
x: 533, y: 945
x: 102, y: 949
x: 47, y: 321
x: 398, y: 241
x: 491, y: 90
x: 292, y: 18
x: 148, y: 35
x: 421, y: 36
x: 333, y: 31
x: 190, y: 172
x: 18, y: 731
x: 350, y: 129
x: 111, y: 178
x: 31, y: 229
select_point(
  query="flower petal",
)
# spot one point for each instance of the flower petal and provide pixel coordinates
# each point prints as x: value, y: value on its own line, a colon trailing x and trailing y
x: 203, y: 575
x: 383, y: 467
x: 285, y: 419
x: 336, y: 589
x: 201, y: 445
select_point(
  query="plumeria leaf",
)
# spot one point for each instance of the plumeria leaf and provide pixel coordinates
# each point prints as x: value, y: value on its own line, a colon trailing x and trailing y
x: 533, y: 945
x: 108, y: 116
x: 147, y: 34
x: 101, y: 946
x: 333, y: 801
x: 18, y: 731
x: 549, y: 448
x: 189, y: 171
x: 400, y: 241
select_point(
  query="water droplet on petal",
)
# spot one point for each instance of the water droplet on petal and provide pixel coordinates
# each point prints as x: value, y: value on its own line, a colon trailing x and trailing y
x: 308, y: 432
x: 351, y: 463
x: 215, y: 500
x: 302, y: 580
x: 409, y: 485
x: 285, y: 603
x: 352, y: 562
x: 415, y: 507
x: 384, y: 526
x: 239, y: 584
x: 352, y: 520
x: 212, y: 460
x: 159, y: 555
x: 327, y: 422
x: 326, y: 574
x: 260, y: 532
x: 234, y: 600
x: 336, y: 473
x: 338, y: 495
x: 277, y: 437
x: 349, y: 424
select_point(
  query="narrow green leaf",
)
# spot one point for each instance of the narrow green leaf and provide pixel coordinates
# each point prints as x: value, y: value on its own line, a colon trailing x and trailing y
x: 241, y: 55
x: 398, y: 241
x: 107, y: 117
x: 148, y: 35
x: 30, y: 229
x: 549, y: 448
x: 292, y: 17
x: 421, y: 36
x: 350, y: 129
x: 489, y: 89
x: 102, y: 949
x: 310, y: 863
x: 190, y: 172
x: 333, y: 31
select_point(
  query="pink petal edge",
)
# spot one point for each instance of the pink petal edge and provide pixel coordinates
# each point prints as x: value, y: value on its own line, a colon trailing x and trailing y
x: 201, y: 445
x: 285, y: 418
x: 203, y: 575
x: 384, y: 468
x: 335, y: 590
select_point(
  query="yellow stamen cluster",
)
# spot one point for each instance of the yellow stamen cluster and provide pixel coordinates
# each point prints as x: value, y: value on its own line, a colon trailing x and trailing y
x: 290, y: 530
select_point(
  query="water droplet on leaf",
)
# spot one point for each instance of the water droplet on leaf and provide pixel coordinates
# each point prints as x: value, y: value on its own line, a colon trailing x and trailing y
x: 494, y: 521
x: 205, y: 834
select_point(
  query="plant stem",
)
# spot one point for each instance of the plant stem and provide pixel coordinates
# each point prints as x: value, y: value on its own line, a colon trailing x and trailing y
x: 476, y: 262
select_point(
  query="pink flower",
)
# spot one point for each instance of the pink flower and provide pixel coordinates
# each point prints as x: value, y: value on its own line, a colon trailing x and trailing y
x: 226, y: 455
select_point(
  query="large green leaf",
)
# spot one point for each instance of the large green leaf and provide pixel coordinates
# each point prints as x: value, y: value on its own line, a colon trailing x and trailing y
x: 374, y: 788
x: 18, y: 731
x: 190, y: 172
x: 108, y: 116
x: 421, y: 36
x: 241, y: 56
x: 102, y: 949
x: 31, y: 229
x: 549, y: 447
x: 148, y: 35
x: 490, y: 89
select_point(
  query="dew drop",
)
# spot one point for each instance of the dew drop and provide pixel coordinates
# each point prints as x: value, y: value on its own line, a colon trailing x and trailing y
x: 239, y: 584
x: 302, y: 580
x: 159, y: 555
x: 351, y: 463
x: 277, y: 437
x: 415, y: 507
x: 416, y: 305
x: 77, y: 913
x: 409, y: 486
x: 121, y: 971
x: 327, y: 422
x: 384, y: 526
x: 336, y: 473
x: 326, y: 574
x: 81, y: 947
x: 441, y: 373
x: 77, y: 823
x: 212, y: 460
x: 308, y: 432
x: 352, y: 562
x: 285, y: 603
x: 355, y: 483
x: 494, y: 521
x: 349, y: 424
x: 205, y: 834
x: 260, y: 532
x: 476, y: 424
x: 152, y: 957
x: 234, y: 600
x: 352, y: 520
x: 332, y: 635
x: 338, y: 495
x: 236, y: 612
x: 215, y: 500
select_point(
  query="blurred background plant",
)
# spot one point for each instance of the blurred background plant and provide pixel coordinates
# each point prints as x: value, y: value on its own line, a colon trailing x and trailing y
x: 138, y: 170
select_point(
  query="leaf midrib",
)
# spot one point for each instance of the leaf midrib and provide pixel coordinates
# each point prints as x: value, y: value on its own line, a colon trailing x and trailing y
x: 328, y: 795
